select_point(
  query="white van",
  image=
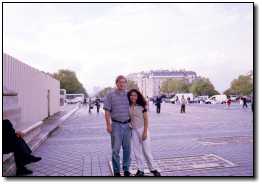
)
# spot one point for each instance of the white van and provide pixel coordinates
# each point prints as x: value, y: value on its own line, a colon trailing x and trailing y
x: 179, y: 97
x: 221, y: 98
x: 75, y: 98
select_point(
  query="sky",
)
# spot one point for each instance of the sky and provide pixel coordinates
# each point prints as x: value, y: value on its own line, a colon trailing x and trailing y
x: 101, y: 41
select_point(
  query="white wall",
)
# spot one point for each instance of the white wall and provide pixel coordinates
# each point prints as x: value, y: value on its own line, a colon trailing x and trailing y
x: 32, y: 86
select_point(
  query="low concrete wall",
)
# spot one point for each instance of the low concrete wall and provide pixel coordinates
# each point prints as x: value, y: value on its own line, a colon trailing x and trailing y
x: 38, y: 94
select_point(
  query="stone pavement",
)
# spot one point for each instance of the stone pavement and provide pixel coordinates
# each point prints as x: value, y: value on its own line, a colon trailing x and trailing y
x: 209, y: 140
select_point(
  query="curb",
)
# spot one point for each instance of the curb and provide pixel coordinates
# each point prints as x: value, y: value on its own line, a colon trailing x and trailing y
x: 43, y: 137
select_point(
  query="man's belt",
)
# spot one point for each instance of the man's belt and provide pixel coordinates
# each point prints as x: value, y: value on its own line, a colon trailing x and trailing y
x: 122, y: 122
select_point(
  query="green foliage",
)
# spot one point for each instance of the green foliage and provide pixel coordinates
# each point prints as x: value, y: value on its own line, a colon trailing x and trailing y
x: 68, y: 80
x: 131, y: 85
x: 104, y: 92
x: 175, y: 86
x: 199, y: 87
x: 203, y: 86
x: 243, y: 86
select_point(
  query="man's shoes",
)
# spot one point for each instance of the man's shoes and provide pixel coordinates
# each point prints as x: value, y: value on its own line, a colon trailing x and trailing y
x: 23, y: 171
x: 156, y: 173
x: 127, y: 173
x: 139, y: 173
x: 34, y: 159
x: 117, y: 174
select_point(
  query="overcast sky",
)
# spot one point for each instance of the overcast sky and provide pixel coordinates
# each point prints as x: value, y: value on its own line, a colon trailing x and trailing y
x: 100, y: 41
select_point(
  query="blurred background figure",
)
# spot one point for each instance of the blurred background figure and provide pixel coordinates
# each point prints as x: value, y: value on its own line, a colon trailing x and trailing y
x: 158, y: 104
x: 97, y: 104
x: 90, y: 105
x: 244, y: 99
x: 183, y: 104
x: 228, y: 101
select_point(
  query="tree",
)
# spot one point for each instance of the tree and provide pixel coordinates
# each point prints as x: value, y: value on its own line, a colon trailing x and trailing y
x: 69, y: 82
x: 202, y: 86
x: 243, y: 86
x: 131, y: 85
x: 104, y: 92
x: 167, y: 86
x: 175, y: 86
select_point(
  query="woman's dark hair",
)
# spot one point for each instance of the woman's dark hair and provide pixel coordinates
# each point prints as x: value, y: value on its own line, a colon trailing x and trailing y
x: 140, y: 98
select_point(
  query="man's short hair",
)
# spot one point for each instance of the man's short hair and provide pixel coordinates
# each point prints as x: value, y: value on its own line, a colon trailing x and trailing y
x: 120, y: 77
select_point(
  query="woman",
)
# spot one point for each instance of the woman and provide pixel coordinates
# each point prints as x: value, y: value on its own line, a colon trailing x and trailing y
x: 228, y: 102
x: 140, y: 135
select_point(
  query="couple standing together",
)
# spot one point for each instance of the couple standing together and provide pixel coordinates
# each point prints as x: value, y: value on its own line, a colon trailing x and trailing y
x: 127, y: 122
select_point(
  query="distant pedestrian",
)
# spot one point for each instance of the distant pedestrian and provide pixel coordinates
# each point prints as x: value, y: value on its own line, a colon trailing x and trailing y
x: 158, y: 104
x: 183, y: 104
x: 244, y: 99
x: 228, y: 102
x: 241, y: 101
x: 90, y: 105
x: 97, y: 104
x: 188, y: 100
x: 177, y: 100
x: 85, y: 102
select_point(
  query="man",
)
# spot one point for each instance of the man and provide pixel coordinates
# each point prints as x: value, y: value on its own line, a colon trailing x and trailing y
x: 116, y: 108
x: 13, y: 142
x: 244, y: 102
x: 183, y: 104
x: 158, y: 104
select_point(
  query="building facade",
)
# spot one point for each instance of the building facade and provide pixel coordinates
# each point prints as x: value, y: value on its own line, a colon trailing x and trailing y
x: 149, y: 83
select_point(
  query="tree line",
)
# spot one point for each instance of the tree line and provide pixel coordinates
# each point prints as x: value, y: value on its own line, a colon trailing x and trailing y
x: 69, y: 82
x: 199, y: 87
x: 243, y: 85
x: 130, y: 85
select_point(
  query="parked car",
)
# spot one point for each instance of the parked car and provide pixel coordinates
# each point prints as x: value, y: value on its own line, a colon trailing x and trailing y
x: 74, y: 100
x: 167, y: 100
x: 200, y: 99
x: 178, y: 96
x: 216, y: 99
x: 234, y: 98
x: 173, y: 100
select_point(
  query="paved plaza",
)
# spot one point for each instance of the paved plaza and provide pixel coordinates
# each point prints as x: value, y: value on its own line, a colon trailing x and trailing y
x: 208, y: 140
